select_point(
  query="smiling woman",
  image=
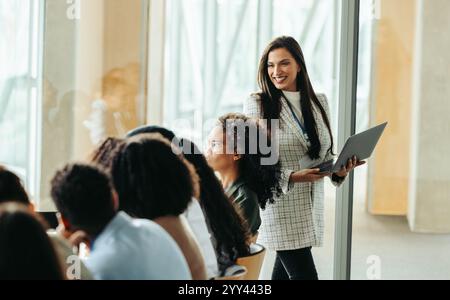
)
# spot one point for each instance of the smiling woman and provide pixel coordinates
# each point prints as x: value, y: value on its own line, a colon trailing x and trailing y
x: 283, y: 70
x: 294, y: 223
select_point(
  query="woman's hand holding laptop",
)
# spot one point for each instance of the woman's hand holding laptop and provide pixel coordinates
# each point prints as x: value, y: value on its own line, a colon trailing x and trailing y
x: 351, y: 165
x: 323, y: 170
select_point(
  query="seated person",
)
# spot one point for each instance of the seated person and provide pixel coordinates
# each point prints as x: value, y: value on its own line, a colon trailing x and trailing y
x: 193, y: 213
x: 26, y: 251
x: 230, y: 232
x: 12, y: 190
x: 121, y: 248
x: 245, y: 179
x: 155, y: 183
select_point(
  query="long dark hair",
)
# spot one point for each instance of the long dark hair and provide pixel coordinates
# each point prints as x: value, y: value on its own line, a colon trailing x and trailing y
x: 263, y: 179
x: 228, y: 227
x: 26, y: 251
x: 271, y: 96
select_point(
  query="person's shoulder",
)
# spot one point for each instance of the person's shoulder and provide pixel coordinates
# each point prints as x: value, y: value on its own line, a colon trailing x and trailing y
x: 153, y: 236
x: 256, y: 95
x: 147, y: 227
x: 141, y: 229
x: 194, y: 210
x: 245, y: 192
x: 322, y: 97
x: 323, y: 100
x: 61, y: 245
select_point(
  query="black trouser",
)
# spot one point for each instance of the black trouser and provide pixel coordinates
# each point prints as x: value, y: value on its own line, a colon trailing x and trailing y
x: 294, y: 265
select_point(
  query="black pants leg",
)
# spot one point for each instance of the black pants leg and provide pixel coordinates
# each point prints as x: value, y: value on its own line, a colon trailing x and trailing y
x: 294, y: 265
x: 279, y: 272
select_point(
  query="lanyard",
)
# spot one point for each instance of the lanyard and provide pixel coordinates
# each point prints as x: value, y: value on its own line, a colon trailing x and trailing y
x: 302, y: 128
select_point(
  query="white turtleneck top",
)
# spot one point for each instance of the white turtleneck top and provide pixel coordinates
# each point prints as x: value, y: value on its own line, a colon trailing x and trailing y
x: 294, y: 100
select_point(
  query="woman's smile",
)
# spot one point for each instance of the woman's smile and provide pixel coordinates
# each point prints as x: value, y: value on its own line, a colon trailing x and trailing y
x: 280, y: 79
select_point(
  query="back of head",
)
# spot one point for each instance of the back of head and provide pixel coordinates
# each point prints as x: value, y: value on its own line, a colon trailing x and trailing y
x: 152, y: 181
x: 26, y: 252
x: 166, y: 133
x: 11, y: 188
x: 83, y: 194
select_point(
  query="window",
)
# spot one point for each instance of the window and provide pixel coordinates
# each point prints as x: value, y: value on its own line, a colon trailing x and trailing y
x: 19, y: 86
x: 213, y: 50
x: 64, y: 90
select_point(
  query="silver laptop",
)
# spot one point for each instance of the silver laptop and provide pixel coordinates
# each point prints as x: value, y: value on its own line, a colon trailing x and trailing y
x: 360, y: 145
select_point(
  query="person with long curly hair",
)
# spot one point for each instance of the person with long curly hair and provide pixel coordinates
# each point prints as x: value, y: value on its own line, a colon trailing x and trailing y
x: 194, y: 213
x: 157, y: 184
x: 234, y: 151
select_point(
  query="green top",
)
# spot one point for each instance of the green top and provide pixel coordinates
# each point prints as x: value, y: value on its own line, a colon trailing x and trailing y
x: 248, y: 201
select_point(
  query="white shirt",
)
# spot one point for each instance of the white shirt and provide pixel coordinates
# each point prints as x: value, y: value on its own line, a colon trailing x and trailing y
x: 136, y: 249
x: 196, y: 220
x: 294, y: 100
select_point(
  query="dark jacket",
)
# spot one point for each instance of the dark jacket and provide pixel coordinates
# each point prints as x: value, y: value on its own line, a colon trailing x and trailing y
x: 247, y: 199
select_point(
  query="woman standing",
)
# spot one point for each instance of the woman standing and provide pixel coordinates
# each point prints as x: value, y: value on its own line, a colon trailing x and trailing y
x: 294, y: 224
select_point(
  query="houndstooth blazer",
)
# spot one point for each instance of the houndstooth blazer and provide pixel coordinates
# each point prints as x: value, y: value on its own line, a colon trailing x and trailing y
x: 296, y: 219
